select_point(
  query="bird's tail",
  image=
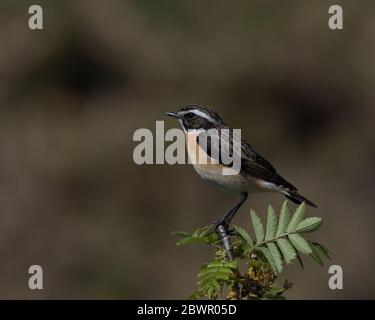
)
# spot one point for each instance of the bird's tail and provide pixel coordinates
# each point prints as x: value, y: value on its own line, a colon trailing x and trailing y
x: 297, y: 198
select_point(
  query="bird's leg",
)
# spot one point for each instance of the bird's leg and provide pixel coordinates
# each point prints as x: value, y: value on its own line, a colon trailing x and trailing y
x: 222, y: 226
x: 226, y: 220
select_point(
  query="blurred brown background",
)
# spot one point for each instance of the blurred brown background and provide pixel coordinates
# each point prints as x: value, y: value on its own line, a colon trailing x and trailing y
x: 71, y: 96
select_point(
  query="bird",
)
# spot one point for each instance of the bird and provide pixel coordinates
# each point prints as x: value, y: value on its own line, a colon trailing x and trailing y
x: 256, y: 174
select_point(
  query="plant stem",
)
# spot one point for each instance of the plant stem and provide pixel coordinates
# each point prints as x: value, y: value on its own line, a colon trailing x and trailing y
x: 257, y: 245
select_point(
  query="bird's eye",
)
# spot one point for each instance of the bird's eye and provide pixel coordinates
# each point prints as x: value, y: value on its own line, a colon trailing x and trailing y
x: 189, y: 115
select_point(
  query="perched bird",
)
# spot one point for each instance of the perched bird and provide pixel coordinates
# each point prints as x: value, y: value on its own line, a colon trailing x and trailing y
x: 256, y: 173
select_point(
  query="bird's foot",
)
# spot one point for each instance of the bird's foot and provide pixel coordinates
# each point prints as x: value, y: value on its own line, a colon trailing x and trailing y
x: 223, y: 232
x: 225, y: 223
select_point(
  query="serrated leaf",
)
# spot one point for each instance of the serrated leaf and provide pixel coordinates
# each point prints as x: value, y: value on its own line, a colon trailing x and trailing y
x: 201, y: 232
x: 189, y: 240
x: 229, y: 264
x: 201, y: 235
x: 286, y: 248
x: 300, y: 243
x: 244, y: 235
x: 214, y: 274
x: 212, y: 291
x: 212, y: 238
x: 300, y: 261
x: 209, y: 270
x: 284, y: 219
x: 196, y: 233
x: 321, y: 250
x: 181, y: 233
x: 297, y: 217
x: 212, y: 277
x: 210, y: 288
x: 194, y: 296
x: 271, y: 224
x: 267, y: 254
x: 309, y: 224
x: 257, y: 225
x: 276, y: 256
x: 275, y: 290
x: 241, y: 248
x: 315, y: 254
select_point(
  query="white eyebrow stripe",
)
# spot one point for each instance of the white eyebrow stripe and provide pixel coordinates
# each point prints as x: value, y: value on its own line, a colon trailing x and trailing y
x: 200, y: 114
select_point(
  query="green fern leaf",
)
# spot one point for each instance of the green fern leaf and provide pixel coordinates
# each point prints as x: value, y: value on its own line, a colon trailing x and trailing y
x: 309, y: 224
x: 297, y: 217
x: 300, y: 243
x: 244, y: 235
x: 321, y: 249
x: 229, y: 264
x: 202, y: 232
x: 300, y: 261
x: 286, y: 248
x: 210, y: 269
x: 276, y: 256
x: 271, y: 224
x: 267, y: 254
x: 214, y: 271
x: 181, y: 233
x: 213, y: 290
x: 284, y: 219
x: 189, y: 240
x: 201, y: 235
x: 213, y: 276
x: 315, y: 254
x: 257, y: 225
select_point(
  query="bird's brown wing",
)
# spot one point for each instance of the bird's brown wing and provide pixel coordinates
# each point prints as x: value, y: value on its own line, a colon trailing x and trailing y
x: 252, y: 163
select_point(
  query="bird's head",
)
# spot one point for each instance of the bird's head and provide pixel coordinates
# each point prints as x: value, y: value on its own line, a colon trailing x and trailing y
x: 197, y: 117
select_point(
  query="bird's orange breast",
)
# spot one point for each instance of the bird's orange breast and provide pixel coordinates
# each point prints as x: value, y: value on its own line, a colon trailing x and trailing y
x: 210, y: 169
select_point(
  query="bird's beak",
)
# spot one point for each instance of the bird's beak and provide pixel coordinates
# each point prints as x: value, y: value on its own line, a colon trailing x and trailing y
x: 173, y: 114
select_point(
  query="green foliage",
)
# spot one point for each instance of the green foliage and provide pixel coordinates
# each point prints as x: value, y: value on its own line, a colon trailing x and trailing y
x: 213, y: 276
x: 201, y: 235
x: 258, y: 227
x: 286, y: 242
x: 244, y: 235
x: 279, y: 243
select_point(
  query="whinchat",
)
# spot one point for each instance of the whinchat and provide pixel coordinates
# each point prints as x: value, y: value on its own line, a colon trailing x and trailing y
x: 255, y: 174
